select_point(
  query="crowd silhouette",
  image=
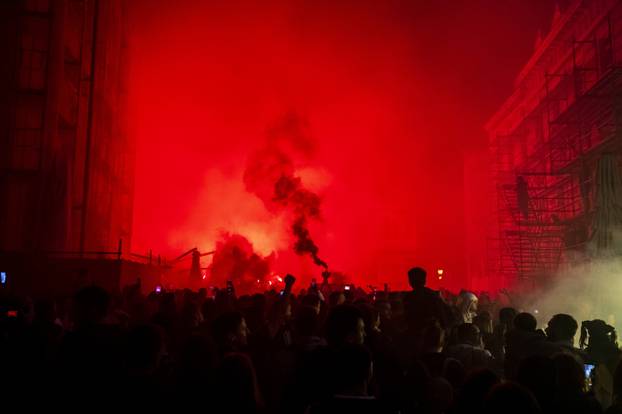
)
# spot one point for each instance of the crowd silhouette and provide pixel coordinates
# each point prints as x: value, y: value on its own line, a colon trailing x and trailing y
x: 325, y: 349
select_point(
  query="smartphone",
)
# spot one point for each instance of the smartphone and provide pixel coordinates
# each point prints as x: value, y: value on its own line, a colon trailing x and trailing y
x: 3, y: 278
x: 347, y: 287
x: 589, y: 369
x: 158, y: 289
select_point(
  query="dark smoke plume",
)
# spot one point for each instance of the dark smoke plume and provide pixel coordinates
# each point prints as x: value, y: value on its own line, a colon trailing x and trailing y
x: 235, y: 259
x: 304, y: 243
x: 270, y: 175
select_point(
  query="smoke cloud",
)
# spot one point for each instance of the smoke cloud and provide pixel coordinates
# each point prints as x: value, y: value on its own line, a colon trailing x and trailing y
x: 384, y: 97
x: 271, y: 175
x: 235, y: 259
x: 590, y: 288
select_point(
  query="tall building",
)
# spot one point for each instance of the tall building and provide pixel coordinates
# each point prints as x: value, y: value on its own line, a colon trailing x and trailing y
x: 66, y: 159
x: 555, y: 145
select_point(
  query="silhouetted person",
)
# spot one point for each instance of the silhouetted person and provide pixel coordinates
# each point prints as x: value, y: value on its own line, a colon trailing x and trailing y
x: 316, y: 370
x: 388, y: 373
x: 439, y: 395
x: 474, y: 390
x: 312, y: 300
x: 602, y: 351
x: 353, y: 372
x: 143, y: 382
x: 306, y: 329
x: 511, y: 398
x: 522, y: 341
x: 236, y: 385
x: 522, y: 195
x: 91, y: 354
x: 570, y: 396
x: 431, y: 351
x: 230, y: 332
x: 469, y: 349
x: 538, y: 374
x: 345, y: 326
x: 525, y: 322
x: 423, y: 305
x: 167, y: 318
x: 506, y: 319
x: 484, y: 323
x: 560, y: 332
x: 616, y: 406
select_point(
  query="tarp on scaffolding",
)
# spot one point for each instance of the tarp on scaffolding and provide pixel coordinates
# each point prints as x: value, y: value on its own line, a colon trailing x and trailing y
x: 607, y: 221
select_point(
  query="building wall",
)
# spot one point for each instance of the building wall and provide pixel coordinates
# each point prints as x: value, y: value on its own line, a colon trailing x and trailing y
x: 551, y: 132
x: 66, y: 176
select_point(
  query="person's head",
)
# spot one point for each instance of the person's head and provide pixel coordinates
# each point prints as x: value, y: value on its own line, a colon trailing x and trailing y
x: 384, y: 308
x: 91, y: 306
x: 237, y: 387
x: 467, y: 304
x: 191, y: 315
x: 371, y: 316
x: 336, y: 298
x: 525, y: 322
x: 438, y: 395
x: 537, y: 373
x: 570, y: 373
x: 168, y: 304
x: 484, y: 322
x: 196, y: 359
x: 597, y: 335
x: 208, y: 309
x: 510, y: 398
x: 506, y: 316
x: 454, y: 372
x: 474, y: 390
x: 230, y: 331
x: 417, y: 277
x: 345, y: 325
x: 312, y: 300
x: 306, y: 322
x: 562, y: 327
x: 144, y: 348
x: 468, y: 333
x: 353, y: 370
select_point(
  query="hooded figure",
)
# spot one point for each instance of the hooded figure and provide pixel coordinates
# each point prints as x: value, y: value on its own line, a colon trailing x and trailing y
x: 466, y: 306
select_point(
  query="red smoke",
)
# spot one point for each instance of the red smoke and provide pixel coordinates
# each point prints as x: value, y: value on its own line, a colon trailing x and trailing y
x: 271, y: 175
x: 236, y: 260
x: 357, y: 109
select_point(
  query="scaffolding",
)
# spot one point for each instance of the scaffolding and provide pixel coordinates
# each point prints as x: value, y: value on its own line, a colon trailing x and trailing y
x: 547, y: 139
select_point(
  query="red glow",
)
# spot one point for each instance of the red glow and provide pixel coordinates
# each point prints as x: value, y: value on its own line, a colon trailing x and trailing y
x: 388, y: 97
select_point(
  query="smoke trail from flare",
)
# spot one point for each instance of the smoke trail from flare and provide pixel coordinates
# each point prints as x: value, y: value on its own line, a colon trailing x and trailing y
x: 270, y: 175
